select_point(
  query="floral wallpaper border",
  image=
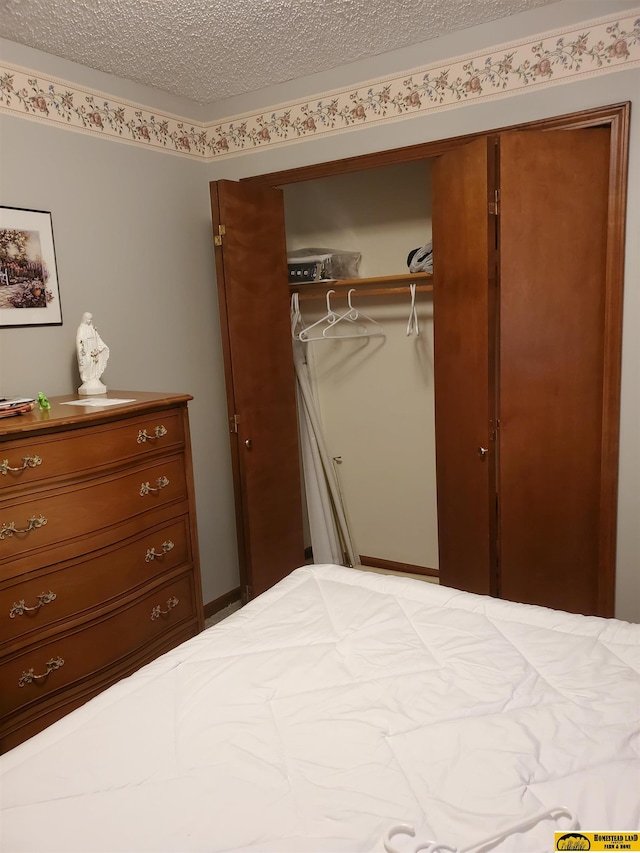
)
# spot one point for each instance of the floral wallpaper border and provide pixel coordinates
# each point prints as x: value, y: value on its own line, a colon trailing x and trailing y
x: 599, y: 46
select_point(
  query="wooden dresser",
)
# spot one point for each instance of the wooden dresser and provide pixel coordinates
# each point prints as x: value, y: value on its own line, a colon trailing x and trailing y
x: 99, y: 570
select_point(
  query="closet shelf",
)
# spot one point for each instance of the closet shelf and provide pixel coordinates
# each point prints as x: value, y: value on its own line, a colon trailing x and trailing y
x: 379, y: 286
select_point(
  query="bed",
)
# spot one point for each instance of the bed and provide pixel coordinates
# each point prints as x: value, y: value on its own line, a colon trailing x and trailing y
x: 335, y: 707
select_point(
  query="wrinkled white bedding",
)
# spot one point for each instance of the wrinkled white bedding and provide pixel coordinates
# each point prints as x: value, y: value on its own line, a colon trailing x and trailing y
x: 333, y: 706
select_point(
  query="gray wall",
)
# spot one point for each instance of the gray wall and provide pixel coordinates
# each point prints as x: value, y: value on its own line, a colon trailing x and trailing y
x: 132, y: 232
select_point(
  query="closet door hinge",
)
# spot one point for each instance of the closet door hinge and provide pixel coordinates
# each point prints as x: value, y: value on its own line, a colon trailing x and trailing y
x: 233, y: 424
x: 217, y: 240
x: 494, y: 206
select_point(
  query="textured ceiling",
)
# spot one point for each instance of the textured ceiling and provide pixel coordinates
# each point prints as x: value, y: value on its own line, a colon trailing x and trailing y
x: 208, y: 50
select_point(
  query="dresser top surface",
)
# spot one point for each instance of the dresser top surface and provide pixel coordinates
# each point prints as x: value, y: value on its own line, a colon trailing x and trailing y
x: 62, y: 415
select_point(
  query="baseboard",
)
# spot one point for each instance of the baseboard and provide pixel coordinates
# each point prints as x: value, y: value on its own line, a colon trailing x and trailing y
x: 233, y: 595
x: 220, y: 603
x: 392, y: 566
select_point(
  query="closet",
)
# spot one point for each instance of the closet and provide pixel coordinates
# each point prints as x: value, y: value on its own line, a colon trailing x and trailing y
x: 373, y: 381
x: 527, y: 305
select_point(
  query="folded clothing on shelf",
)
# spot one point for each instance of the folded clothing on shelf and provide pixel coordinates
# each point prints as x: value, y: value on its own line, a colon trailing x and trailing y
x: 421, y: 259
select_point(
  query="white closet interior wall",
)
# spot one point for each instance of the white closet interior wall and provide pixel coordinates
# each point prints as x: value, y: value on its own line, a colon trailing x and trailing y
x: 376, y: 394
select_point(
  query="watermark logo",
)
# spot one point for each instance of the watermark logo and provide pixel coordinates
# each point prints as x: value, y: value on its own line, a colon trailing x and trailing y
x: 599, y: 841
x: 572, y: 841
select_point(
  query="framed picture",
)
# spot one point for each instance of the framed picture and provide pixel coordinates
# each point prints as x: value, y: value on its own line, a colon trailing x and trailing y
x: 29, y: 292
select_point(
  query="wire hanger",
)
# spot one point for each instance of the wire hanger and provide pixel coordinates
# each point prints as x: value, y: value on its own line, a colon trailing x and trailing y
x: 412, y: 325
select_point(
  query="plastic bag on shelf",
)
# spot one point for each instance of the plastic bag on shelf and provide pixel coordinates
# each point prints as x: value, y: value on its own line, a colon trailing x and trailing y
x: 307, y: 265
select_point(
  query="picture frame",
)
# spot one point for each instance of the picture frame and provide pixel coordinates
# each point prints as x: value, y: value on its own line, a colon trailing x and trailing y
x: 29, y: 288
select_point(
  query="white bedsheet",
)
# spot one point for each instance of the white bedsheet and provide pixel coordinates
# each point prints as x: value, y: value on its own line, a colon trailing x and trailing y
x: 332, y: 707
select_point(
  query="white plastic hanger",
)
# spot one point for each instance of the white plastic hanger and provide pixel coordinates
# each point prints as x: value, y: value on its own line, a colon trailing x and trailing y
x: 355, y: 316
x: 325, y: 326
x: 297, y: 323
x: 412, y: 325
x: 438, y: 847
x: 330, y: 317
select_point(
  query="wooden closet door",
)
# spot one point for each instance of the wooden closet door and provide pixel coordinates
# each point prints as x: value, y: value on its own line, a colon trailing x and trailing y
x: 553, y: 225
x: 251, y: 269
x: 464, y: 266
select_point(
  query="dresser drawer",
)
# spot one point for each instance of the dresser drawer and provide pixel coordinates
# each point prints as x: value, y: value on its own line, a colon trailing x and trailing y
x: 15, y: 729
x: 69, y: 590
x: 47, y: 668
x: 35, y: 461
x: 42, y: 520
x: 99, y: 566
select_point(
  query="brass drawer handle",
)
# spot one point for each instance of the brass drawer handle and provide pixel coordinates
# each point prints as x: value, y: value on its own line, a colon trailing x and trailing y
x: 30, y: 676
x: 20, y: 608
x: 161, y: 483
x: 151, y: 554
x: 158, y: 432
x: 33, y: 523
x: 27, y: 462
x: 157, y: 611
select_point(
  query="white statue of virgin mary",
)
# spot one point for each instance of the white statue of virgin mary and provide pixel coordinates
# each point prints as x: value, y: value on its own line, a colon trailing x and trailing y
x: 93, y: 355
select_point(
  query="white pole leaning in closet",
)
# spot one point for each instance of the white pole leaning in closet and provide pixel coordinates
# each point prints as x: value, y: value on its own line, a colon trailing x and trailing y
x: 330, y: 534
